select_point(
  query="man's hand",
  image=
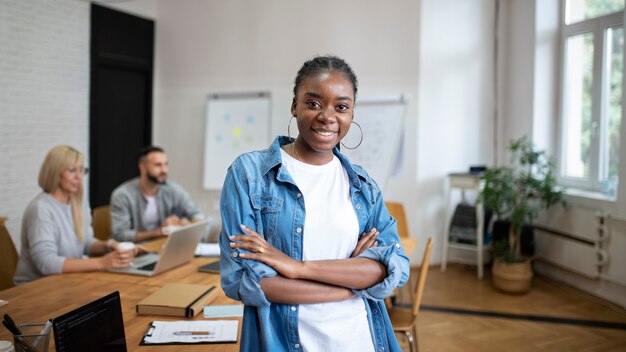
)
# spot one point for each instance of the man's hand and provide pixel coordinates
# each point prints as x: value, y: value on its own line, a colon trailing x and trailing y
x: 171, y: 220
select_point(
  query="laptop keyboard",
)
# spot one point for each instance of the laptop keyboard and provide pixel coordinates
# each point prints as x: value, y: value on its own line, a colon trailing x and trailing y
x: 147, y: 267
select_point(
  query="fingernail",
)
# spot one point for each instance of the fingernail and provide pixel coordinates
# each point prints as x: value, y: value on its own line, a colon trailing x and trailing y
x: 243, y: 227
x: 232, y: 244
x: 231, y: 237
x: 374, y: 229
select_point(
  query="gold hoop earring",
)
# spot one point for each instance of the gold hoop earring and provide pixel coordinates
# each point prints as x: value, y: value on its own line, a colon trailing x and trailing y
x: 360, y: 141
x: 289, y: 127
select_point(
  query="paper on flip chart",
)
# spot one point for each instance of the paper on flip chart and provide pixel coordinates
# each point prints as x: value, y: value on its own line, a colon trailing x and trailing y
x: 219, y: 331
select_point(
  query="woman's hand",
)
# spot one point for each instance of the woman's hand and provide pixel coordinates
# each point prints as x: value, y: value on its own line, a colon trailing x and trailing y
x: 264, y: 252
x: 117, y: 259
x: 368, y: 240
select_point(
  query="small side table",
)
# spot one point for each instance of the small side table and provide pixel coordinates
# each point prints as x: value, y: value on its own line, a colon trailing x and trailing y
x: 464, y: 182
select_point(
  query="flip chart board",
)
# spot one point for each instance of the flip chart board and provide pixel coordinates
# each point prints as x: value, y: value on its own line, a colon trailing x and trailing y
x: 382, y: 122
x: 235, y: 123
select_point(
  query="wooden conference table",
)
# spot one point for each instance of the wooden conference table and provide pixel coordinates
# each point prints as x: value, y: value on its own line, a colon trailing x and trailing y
x: 55, y: 295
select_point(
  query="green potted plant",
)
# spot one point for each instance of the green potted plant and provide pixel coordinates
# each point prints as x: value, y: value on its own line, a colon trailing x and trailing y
x: 517, y: 193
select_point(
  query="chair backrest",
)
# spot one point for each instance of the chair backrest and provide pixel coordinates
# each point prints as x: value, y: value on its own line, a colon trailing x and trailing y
x: 102, y: 222
x: 397, y: 211
x: 421, y: 280
x: 8, y: 257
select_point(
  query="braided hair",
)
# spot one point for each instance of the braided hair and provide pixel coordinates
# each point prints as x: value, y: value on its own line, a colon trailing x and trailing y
x: 321, y: 64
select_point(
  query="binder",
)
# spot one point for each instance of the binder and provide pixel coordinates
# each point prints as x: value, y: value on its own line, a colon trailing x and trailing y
x: 179, y: 300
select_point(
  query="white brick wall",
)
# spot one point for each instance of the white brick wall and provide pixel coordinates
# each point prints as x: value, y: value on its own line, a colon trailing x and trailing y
x: 44, y: 93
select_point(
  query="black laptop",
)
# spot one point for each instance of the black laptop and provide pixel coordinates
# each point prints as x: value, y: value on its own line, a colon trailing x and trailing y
x: 96, y: 326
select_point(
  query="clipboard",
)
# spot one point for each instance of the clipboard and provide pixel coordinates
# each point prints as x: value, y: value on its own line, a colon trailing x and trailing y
x: 160, y: 332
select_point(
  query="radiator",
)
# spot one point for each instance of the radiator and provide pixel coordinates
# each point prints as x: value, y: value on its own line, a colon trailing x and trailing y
x: 575, y: 240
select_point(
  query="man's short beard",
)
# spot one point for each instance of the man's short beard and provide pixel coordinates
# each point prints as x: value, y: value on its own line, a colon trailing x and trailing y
x: 155, y: 180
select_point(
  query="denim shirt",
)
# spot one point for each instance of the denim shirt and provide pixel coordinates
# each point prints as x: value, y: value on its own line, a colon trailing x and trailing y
x: 259, y: 193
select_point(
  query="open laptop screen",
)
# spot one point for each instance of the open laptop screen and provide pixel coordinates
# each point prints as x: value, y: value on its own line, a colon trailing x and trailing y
x: 96, y: 326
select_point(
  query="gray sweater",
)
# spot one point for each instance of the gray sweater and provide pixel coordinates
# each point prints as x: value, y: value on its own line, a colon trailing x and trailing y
x: 128, y: 204
x: 48, y: 237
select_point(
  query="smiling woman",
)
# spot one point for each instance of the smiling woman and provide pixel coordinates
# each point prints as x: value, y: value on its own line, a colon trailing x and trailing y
x: 307, y: 242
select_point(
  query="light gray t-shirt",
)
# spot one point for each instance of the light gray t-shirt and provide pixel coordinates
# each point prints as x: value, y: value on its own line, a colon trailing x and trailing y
x: 48, y: 237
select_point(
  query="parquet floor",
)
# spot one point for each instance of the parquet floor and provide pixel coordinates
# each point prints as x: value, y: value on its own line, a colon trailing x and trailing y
x: 551, y: 317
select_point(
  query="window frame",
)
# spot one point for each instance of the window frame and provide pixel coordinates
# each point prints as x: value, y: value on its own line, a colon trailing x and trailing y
x: 599, y: 27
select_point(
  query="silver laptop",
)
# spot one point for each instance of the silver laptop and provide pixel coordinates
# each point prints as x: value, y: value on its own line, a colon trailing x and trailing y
x: 178, y: 249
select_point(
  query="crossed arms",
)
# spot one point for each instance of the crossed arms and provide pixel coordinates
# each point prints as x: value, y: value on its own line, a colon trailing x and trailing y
x: 302, y: 282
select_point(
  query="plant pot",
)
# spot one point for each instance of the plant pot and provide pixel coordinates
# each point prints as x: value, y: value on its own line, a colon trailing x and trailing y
x: 512, y: 277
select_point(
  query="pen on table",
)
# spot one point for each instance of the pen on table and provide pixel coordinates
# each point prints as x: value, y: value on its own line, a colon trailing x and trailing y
x: 187, y: 333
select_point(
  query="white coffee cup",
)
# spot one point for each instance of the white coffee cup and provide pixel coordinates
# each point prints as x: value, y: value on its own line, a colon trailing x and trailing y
x: 6, y: 346
x: 125, y: 246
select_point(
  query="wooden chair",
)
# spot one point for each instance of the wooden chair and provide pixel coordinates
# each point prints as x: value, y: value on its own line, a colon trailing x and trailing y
x: 397, y: 211
x: 405, y: 320
x: 102, y: 222
x: 8, y: 257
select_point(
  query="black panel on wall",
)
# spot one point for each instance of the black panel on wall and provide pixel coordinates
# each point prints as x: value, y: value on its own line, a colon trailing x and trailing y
x: 122, y: 51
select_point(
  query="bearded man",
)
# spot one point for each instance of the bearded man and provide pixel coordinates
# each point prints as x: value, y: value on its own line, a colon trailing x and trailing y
x: 145, y: 207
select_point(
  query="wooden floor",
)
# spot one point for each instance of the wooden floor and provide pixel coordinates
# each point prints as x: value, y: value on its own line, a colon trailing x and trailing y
x: 461, y: 313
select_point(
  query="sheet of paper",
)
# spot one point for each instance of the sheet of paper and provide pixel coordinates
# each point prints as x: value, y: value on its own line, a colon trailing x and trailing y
x: 217, y: 331
x: 208, y: 250
x: 225, y: 311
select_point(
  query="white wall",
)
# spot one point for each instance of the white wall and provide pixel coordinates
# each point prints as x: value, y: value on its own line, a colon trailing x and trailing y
x: 547, y: 71
x: 44, y: 80
x: 517, y: 41
x: 455, y: 104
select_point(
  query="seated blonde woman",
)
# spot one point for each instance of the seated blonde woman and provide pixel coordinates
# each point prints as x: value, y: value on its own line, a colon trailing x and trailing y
x: 56, y: 227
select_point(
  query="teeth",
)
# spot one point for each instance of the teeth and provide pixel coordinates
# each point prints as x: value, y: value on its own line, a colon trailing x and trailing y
x: 325, y: 133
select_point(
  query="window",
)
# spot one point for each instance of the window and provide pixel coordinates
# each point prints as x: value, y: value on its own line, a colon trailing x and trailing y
x: 593, y: 49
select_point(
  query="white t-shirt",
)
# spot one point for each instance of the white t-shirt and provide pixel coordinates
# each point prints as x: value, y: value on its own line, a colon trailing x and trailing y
x: 331, y: 231
x: 150, y: 213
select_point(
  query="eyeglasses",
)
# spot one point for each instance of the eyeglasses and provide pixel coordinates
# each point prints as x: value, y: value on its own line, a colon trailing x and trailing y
x: 75, y: 170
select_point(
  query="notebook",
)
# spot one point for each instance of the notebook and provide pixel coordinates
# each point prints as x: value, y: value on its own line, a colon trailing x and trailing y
x: 178, y: 249
x: 81, y: 329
